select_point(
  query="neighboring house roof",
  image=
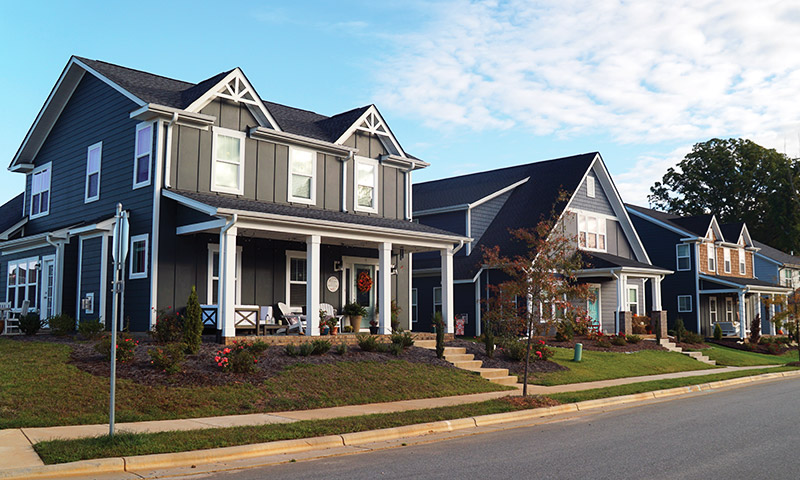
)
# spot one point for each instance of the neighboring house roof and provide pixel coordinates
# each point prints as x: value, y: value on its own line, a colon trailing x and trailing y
x: 11, y: 212
x: 693, y: 225
x: 783, y: 258
x: 233, y: 203
x: 732, y: 231
x: 741, y: 282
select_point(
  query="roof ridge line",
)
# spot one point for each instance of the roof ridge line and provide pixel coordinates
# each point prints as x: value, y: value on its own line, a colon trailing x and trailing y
x: 143, y: 71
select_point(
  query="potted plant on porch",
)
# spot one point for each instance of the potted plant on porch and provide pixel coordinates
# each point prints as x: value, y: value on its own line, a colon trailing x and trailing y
x: 333, y: 325
x: 355, y: 312
x: 373, y: 326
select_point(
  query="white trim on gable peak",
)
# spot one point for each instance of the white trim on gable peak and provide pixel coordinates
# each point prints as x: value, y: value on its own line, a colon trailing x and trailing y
x: 607, y: 184
x: 371, y: 121
x: 237, y: 88
x: 51, y: 110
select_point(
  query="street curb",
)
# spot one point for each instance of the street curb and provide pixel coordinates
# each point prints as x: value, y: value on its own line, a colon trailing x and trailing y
x: 243, y: 452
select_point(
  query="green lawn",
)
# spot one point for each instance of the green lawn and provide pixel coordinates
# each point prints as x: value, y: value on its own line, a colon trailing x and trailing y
x: 631, y: 388
x: 607, y: 365
x: 59, y: 451
x: 39, y: 388
x: 731, y: 357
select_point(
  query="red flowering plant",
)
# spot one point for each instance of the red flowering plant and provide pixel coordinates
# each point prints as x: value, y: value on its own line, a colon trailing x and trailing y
x: 126, y: 347
x: 240, y: 357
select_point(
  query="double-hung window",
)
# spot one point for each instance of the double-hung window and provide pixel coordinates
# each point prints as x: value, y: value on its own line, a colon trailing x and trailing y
x: 684, y: 260
x: 712, y: 259
x: 592, y: 232
x: 726, y: 257
x: 742, y: 262
x: 712, y: 309
x: 729, y: 315
x: 227, y: 165
x: 302, y: 175
x: 143, y: 155
x: 40, y: 191
x: 437, y: 299
x: 298, y: 278
x: 684, y: 303
x: 138, y: 257
x: 94, y: 156
x: 414, y: 305
x: 22, y: 283
x: 213, y: 274
x: 787, y: 278
x: 366, y: 185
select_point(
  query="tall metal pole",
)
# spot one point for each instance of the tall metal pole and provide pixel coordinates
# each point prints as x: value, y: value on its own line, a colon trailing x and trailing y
x: 117, y: 231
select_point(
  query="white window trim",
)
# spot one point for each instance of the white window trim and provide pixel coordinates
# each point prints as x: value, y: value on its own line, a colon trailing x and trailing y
x: 86, y: 197
x: 39, y: 169
x: 89, y: 311
x: 414, y: 305
x: 376, y: 189
x: 228, y: 133
x: 678, y: 257
x: 726, y: 259
x: 212, y: 249
x: 742, y: 262
x: 434, y: 298
x: 628, y: 299
x: 712, y: 257
x: 601, y: 220
x: 289, y: 196
x: 729, y: 310
x: 684, y: 310
x: 136, y: 239
x: 137, y: 154
x: 27, y: 284
x: 590, y: 187
x: 290, y: 254
x: 712, y: 310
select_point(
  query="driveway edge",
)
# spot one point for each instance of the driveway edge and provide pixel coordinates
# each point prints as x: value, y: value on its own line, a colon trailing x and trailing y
x: 243, y: 452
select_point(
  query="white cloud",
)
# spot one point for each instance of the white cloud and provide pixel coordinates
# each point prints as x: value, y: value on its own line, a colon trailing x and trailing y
x: 640, y: 73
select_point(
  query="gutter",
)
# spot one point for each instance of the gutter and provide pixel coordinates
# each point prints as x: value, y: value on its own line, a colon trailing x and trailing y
x: 284, y: 138
x: 153, y: 111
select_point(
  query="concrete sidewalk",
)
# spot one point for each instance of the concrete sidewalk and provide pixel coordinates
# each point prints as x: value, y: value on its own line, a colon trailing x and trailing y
x: 16, y: 448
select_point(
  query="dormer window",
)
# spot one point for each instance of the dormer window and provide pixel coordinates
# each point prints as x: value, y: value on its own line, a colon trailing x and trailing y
x: 591, y: 232
x: 40, y: 191
x: 227, y: 164
x: 742, y: 262
x: 726, y: 257
x: 590, y: 187
x: 366, y: 185
x: 302, y: 175
x: 712, y: 261
x: 93, y: 159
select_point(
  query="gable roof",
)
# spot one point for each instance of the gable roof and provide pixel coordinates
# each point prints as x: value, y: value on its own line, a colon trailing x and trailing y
x: 696, y: 225
x: 144, y: 88
x: 779, y: 256
x: 467, y: 189
x: 11, y: 212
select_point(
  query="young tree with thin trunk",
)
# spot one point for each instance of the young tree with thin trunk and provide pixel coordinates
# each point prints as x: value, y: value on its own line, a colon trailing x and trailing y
x: 544, y: 273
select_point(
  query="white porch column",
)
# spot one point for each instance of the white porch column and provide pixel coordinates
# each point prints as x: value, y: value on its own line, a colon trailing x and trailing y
x: 758, y: 310
x: 385, y: 288
x: 772, y: 314
x: 227, y: 282
x: 656, y: 283
x: 312, y: 284
x: 447, y: 289
x: 622, y: 283
x: 478, y: 326
x: 742, y: 319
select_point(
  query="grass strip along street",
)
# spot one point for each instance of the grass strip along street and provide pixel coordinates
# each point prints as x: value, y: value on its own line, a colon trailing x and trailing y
x: 59, y: 451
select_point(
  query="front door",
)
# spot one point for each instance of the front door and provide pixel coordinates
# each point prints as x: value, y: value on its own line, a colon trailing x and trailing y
x: 47, y: 304
x: 593, y: 307
x: 363, y: 288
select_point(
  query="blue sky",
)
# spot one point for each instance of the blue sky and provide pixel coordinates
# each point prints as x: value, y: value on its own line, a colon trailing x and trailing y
x: 466, y: 86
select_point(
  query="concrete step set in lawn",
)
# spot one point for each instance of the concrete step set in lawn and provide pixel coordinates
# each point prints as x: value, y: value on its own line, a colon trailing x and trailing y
x: 696, y: 355
x: 459, y: 357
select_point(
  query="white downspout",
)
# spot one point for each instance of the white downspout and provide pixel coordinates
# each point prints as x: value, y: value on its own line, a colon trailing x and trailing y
x: 344, y: 180
x: 159, y: 180
x: 59, y: 246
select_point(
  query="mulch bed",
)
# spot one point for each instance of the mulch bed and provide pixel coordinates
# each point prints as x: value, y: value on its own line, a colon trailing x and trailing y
x: 200, y: 369
x: 692, y: 346
x: 592, y: 345
x: 747, y: 347
x: 501, y: 361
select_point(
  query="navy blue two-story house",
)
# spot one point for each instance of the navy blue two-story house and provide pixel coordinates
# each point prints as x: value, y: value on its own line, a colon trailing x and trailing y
x: 252, y: 202
x: 485, y: 206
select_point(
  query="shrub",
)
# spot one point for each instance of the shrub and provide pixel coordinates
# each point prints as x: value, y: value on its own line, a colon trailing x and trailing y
x: 291, y: 350
x: 193, y: 324
x: 403, y: 339
x: 382, y: 347
x: 126, y: 347
x: 439, y: 323
x: 633, y: 338
x: 396, y: 349
x: 90, y: 329
x: 618, y: 340
x: 680, y: 330
x: 354, y: 310
x: 639, y: 324
x: 564, y: 331
x: 783, y: 340
x: 320, y: 347
x: 750, y: 347
x: 342, y: 348
x: 306, y: 349
x: 168, y: 328
x: 396, y: 316
x: 691, y: 337
x: 774, y: 349
x: 241, y: 357
x: 602, y: 342
x: 367, y: 343
x: 488, y: 338
x: 755, y: 329
x: 515, y: 349
x: 61, y: 325
x: 717, y: 332
x: 168, y: 358
x: 30, y: 324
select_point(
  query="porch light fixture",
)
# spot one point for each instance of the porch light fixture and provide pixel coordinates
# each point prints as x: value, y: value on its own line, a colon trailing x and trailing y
x: 337, y: 266
x: 393, y: 270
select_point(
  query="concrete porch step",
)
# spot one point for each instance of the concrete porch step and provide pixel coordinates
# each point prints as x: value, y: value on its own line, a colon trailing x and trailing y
x: 472, y: 365
x: 429, y: 344
x: 510, y: 380
x: 458, y: 357
x: 453, y: 350
x: 491, y: 372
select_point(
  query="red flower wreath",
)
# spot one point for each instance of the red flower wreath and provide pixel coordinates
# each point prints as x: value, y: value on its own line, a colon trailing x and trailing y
x: 364, y: 282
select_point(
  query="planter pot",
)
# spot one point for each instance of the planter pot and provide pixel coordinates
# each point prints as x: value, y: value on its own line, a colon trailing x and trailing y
x: 323, y: 331
x: 334, y: 330
x: 355, y: 322
x: 373, y: 330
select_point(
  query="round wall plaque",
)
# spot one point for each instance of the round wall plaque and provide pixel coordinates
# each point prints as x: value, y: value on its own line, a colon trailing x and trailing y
x: 333, y: 283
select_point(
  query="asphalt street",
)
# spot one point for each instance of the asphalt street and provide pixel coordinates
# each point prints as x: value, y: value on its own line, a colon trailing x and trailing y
x: 751, y: 432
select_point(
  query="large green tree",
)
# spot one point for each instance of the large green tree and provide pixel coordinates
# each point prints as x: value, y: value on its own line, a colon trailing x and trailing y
x: 737, y: 180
